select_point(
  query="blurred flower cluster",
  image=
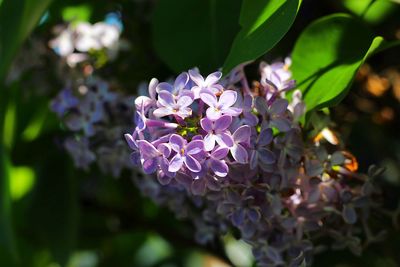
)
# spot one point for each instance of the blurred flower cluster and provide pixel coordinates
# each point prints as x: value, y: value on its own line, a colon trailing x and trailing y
x: 98, y: 118
x: 231, y: 157
x: 82, y: 41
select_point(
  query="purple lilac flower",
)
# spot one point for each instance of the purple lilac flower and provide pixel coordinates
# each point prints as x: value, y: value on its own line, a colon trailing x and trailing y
x: 178, y: 87
x: 276, y: 77
x: 169, y: 105
x: 275, y: 114
x: 185, y: 153
x: 217, y: 108
x: 217, y: 132
x: 150, y: 100
x: 153, y: 158
x: 210, y: 83
x: 216, y: 161
x: 64, y: 101
x: 79, y: 149
x: 262, y: 154
x: 90, y: 112
x: 241, y: 137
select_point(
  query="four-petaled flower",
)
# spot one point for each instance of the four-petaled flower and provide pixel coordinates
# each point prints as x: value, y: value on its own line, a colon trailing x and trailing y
x: 152, y: 157
x: 221, y: 106
x: 261, y: 154
x: 217, y: 132
x: 171, y: 105
x: 210, y: 83
x: 241, y: 137
x: 216, y: 161
x: 275, y: 114
x: 185, y: 153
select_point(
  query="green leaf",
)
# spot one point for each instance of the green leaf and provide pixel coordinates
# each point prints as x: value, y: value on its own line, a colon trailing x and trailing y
x: 194, y: 33
x: 17, y: 20
x: 263, y: 23
x: 372, y: 11
x: 8, y: 251
x: 327, y: 55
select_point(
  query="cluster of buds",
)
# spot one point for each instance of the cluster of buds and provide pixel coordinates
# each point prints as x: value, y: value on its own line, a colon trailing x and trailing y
x: 230, y: 156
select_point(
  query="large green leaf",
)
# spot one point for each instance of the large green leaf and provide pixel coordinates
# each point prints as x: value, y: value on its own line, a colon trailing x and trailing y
x: 17, y: 20
x: 327, y: 55
x: 195, y: 33
x: 264, y: 23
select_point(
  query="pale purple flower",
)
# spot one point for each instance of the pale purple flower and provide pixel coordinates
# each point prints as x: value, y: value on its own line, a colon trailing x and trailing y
x: 80, y: 151
x: 147, y: 99
x: 135, y: 155
x: 185, y: 153
x: 241, y: 137
x: 275, y: 114
x: 210, y: 83
x: 216, y: 161
x: 178, y: 89
x: 171, y: 105
x: 262, y: 154
x: 247, y: 117
x: 221, y: 106
x: 90, y: 112
x: 153, y: 158
x: 276, y: 77
x: 217, y: 131
x: 64, y: 101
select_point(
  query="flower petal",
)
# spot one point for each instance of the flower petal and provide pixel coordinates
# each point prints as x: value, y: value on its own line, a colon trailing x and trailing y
x: 166, y: 99
x: 199, y: 187
x: 176, y: 163
x: 164, y: 87
x: 213, y: 78
x: 209, y: 142
x: 195, y: 147
x: 184, y: 112
x: 265, y: 137
x: 192, y: 163
x: 232, y: 111
x: 180, y: 82
x: 147, y: 150
x: 239, y: 153
x: 184, y: 101
x: 177, y: 142
x: 266, y: 156
x: 149, y: 166
x: 162, y: 112
x: 227, y: 99
x: 206, y: 124
x: 279, y: 106
x: 209, y: 98
x: 224, y: 139
x: 196, y: 77
x: 222, y: 123
x: 220, y: 152
x: 213, y: 114
x: 283, y: 124
x: 242, y: 134
x: 219, y: 167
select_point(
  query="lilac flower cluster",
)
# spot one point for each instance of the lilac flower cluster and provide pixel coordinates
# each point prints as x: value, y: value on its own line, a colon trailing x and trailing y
x: 98, y: 118
x: 230, y: 156
x: 76, y: 42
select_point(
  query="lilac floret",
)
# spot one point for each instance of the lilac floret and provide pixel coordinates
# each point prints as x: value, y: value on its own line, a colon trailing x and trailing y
x: 217, y: 132
x: 221, y: 106
x: 185, y: 154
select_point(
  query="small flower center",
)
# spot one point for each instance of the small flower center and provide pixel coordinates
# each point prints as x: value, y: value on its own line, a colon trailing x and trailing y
x: 182, y: 151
